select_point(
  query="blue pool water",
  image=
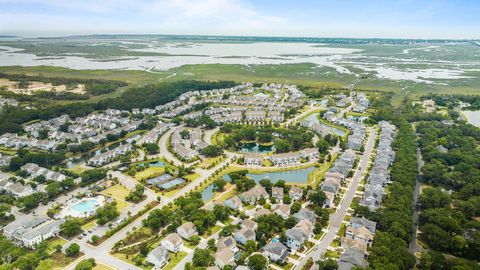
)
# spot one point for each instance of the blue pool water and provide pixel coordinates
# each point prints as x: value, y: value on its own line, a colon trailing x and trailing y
x: 275, y: 240
x: 85, y: 206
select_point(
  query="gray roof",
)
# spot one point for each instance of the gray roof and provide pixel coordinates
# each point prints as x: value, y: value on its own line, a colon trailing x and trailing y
x: 352, y: 256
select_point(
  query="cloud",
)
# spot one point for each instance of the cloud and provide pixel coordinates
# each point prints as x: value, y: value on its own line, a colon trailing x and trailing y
x: 159, y: 16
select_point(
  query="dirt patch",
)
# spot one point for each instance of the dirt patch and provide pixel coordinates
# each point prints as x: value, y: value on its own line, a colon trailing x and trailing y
x: 39, y: 86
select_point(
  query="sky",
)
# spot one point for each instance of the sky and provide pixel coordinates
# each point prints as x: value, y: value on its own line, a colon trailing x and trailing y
x: 457, y: 19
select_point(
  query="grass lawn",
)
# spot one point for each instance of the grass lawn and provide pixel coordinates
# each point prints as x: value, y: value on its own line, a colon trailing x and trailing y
x: 175, y: 259
x: 61, y: 260
x: 218, y: 138
x: 192, y: 177
x: 123, y: 257
x: 100, y: 266
x: 121, y: 204
x: 55, y: 241
x: 287, y: 266
x: 212, y: 230
x: 149, y: 173
x: 77, y: 169
x: 227, y: 195
x: 316, y: 176
x: 207, y: 163
x: 89, y: 225
x: 117, y: 191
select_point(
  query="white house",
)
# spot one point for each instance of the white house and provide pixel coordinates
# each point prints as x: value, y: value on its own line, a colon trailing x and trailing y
x: 187, y: 230
x: 158, y: 257
x: 172, y: 242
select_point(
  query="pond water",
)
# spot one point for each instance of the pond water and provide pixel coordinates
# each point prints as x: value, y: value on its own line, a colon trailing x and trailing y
x: 256, y: 148
x: 314, y: 118
x: 473, y: 117
x: 294, y: 176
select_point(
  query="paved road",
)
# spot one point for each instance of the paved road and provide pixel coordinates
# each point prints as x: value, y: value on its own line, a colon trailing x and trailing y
x: 162, y: 144
x: 413, y: 246
x: 337, y: 218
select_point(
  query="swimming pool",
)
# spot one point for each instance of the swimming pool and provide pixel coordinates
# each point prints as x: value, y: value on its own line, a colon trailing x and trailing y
x: 85, y: 206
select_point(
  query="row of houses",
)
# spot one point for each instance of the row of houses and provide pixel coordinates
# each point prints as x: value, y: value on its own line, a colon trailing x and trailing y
x: 187, y: 148
x: 283, y: 159
x: 110, y: 155
x: 356, y: 137
x: 30, y: 232
x: 337, y: 174
x: 358, y: 237
x: 11, y: 140
x: 362, y: 103
x: 153, y: 135
x: 379, y: 175
x: 16, y: 189
x: 34, y: 171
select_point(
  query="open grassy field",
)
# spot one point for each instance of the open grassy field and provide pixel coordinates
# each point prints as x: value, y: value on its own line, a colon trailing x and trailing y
x: 117, y: 191
x: 149, y: 173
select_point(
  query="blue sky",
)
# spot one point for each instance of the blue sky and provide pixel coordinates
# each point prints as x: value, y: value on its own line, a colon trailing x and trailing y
x: 314, y: 18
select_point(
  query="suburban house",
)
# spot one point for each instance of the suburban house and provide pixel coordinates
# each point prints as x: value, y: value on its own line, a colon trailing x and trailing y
x: 359, y: 233
x: 233, y: 203
x: 158, y: 257
x: 297, y: 235
x: 305, y: 214
x: 354, y: 243
x: 244, y: 234
x: 331, y: 184
x: 275, y: 251
x: 252, y: 159
x: 350, y: 258
x: 254, y: 194
x: 248, y: 223
x: 187, y: 230
x: 227, y: 242
x: 283, y: 210
x: 295, y: 193
x: 34, y: 170
x: 277, y: 193
x: 224, y: 257
x: 329, y: 200
x: 172, y: 242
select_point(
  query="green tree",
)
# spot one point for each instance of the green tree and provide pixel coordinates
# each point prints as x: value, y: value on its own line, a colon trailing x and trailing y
x: 87, y: 264
x: 202, y: 258
x: 257, y: 262
x: 71, y: 227
x: 72, y: 250
x: 53, y: 189
x: 107, y: 213
x: 219, y: 184
x: 152, y: 148
x: 47, y: 264
x: 296, y: 206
